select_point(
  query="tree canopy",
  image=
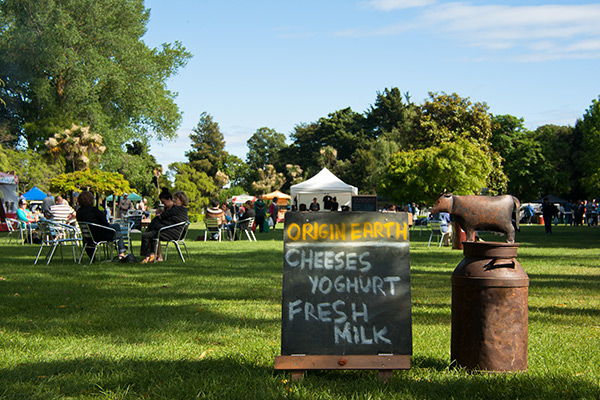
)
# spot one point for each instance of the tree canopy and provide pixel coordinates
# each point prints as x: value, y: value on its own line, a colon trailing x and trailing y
x: 84, y: 62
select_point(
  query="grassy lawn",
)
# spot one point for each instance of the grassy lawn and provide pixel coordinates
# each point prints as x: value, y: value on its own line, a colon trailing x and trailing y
x: 210, y: 328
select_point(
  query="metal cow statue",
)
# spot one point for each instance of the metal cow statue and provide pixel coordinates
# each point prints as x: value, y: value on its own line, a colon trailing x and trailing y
x: 481, y: 213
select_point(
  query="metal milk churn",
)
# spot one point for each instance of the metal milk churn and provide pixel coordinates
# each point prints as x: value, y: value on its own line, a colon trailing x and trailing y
x: 489, y: 308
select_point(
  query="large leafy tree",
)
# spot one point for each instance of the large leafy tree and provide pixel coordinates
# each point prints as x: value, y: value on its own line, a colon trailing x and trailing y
x: 197, y: 185
x: 84, y: 62
x: 264, y: 147
x: 586, y: 153
x: 420, y: 175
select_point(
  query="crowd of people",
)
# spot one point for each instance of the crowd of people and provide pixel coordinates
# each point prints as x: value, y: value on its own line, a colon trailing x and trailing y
x: 231, y: 218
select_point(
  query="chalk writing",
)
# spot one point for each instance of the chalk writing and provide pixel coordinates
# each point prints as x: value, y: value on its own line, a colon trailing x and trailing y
x: 315, y: 231
x: 346, y: 284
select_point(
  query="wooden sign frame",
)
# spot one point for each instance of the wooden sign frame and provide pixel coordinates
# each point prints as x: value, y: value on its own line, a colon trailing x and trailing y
x: 385, y: 238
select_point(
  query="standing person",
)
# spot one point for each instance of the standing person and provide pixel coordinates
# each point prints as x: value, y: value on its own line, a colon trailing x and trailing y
x: 125, y: 205
x: 46, y: 204
x: 314, y: 206
x: 177, y: 212
x: 548, y: 212
x: 273, y: 211
x: 260, y: 209
x: 88, y: 213
x: 334, y: 204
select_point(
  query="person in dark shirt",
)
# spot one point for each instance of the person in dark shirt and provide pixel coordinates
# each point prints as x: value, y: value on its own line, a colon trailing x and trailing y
x: 88, y: 213
x: 314, y: 206
x: 178, y: 212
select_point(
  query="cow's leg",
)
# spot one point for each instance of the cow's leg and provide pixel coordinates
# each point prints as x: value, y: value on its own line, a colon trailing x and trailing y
x: 470, y: 234
x: 510, y: 235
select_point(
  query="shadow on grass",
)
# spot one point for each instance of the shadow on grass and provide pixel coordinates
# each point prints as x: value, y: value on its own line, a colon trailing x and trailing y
x: 230, y: 378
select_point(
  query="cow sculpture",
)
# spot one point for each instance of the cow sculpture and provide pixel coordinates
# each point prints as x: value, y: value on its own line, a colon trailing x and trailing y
x: 481, y: 213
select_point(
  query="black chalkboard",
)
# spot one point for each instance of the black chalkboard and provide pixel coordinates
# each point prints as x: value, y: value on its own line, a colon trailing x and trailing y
x: 364, y: 203
x: 346, y: 284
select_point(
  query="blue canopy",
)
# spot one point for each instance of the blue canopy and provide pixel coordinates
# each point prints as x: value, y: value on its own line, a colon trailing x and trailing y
x: 35, y: 194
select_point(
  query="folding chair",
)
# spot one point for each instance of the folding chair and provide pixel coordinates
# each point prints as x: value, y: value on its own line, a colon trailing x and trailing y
x: 126, y: 226
x: 14, y: 228
x: 166, y: 234
x: 436, y: 229
x: 135, y: 216
x: 89, y: 242
x: 245, y: 225
x: 211, y: 227
x: 55, y: 235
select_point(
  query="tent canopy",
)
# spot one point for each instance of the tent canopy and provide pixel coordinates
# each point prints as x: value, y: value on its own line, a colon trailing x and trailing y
x: 130, y: 196
x: 282, y: 198
x: 552, y: 199
x: 241, y: 199
x: 35, y: 194
x: 322, y: 184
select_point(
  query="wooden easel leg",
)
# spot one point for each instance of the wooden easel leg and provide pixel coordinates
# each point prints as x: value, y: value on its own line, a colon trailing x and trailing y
x: 297, y: 375
x: 385, y: 375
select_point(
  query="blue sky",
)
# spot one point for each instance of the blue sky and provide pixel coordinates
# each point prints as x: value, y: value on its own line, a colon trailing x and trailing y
x: 281, y: 63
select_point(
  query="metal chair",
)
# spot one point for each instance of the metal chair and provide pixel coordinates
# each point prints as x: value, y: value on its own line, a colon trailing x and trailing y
x: 211, y: 227
x: 135, y: 216
x: 55, y: 235
x: 89, y: 242
x: 245, y: 225
x: 126, y: 226
x: 166, y: 234
x: 14, y: 228
x: 436, y: 230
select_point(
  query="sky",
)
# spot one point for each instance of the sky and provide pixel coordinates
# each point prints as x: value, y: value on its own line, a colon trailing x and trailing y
x: 280, y: 63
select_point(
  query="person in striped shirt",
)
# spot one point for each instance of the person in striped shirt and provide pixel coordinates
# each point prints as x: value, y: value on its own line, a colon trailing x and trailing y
x: 61, y: 210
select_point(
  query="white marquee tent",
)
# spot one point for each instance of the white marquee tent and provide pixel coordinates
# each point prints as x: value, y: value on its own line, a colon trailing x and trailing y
x: 322, y: 184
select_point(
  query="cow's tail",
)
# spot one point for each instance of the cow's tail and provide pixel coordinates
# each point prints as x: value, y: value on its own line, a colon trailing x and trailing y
x: 517, y: 209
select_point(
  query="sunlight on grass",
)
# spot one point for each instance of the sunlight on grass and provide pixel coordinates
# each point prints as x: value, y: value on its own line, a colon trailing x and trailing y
x: 210, y: 328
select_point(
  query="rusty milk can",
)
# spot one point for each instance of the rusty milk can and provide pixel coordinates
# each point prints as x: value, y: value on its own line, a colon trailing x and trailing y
x: 489, y: 309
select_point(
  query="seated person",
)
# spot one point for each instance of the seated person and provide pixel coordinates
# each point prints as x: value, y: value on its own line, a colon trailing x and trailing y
x: 88, y: 213
x: 26, y: 217
x: 143, y: 207
x: 61, y: 210
x: 215, y: 212
x: 248, y: 213
x: 175, y: 212
x: 444, y: 219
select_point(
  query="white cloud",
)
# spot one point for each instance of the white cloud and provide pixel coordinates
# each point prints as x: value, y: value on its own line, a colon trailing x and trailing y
x: 550, y: 31
x: 389, y: 5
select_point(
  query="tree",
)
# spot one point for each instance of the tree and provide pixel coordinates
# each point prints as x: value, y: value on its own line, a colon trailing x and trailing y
x: 96, y: 181
x: 85, y: 62
x: 268, y: 180
x: 75, y: 147
x: 390, y: 113
x: 264, y: 147
x: 30, y: 166
x: 421, y: 175
x: 208, y: 153
x: 586, y: 152
x: 445, y: 118
x: 197, y: 185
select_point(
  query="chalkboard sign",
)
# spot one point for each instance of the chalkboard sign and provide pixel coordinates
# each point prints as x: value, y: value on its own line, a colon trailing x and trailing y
x: 346, y: 284
x: 364, y: 203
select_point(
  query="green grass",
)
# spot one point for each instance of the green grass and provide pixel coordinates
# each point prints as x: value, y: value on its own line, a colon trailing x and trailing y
x: 210, y: 328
